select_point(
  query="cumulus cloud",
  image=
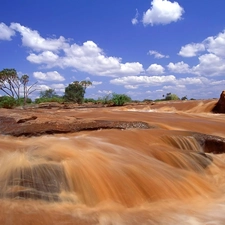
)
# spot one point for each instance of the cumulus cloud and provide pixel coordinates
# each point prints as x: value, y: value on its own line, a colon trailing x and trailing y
x: 143, y: 80
x: 189, y: 81
x: 157, y: 55
x: 162, y: 12
x: 179, y: 67
x: 46, y: 57
x: 210, y: 65
x: 33, y: 40
x: 87, y: 58
x: 42, y: 87
x: 135, y: 19
x: 155, y: 69
x: 6, y: 32
x: 216, y: 44
x: 49, y: 76
x: 191, y: 50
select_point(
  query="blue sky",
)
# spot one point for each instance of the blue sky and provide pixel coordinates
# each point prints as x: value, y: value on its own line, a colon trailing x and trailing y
x: 144, y: 49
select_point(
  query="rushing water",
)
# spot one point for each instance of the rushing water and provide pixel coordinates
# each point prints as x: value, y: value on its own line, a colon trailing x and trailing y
x: 155, y: 176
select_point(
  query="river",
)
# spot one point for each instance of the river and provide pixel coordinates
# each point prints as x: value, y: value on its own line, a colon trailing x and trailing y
x: 131, y: 176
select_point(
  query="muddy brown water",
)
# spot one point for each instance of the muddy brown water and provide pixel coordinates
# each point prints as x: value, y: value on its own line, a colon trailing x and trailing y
x: 146, y: 176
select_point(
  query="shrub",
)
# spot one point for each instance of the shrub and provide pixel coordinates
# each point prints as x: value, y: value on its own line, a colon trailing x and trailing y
x: 86, y: 100
x: 170, y: 96
x: 7, y: 102
x: 74, y: 93
x: 120, y: 99
x: 54, y: 99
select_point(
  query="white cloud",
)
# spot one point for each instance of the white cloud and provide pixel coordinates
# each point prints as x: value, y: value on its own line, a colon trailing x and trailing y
x: 133, y: 87
x: 87, y: 58
x: 105, y: 92
x: 179, y: 67
x: 155, y: 69
x: 191, y: 50
x: 96, y: 83
x: 189, y: 81
x: 143, y: 80
x: 49, y: 76
x: 216, y: 45
x: 33, y: 40
x: 46, y: 57
x: 135, y: 19
x: 42, y: 87
x: 58, y: 87
x: 162, y: 12
x: 157, y: 55
x: 210, y: 65
x: 6, y: 32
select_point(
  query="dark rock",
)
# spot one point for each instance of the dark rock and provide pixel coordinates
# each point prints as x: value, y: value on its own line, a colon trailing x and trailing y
x: 23, y: 120
x: 210, y: 143
x: 220, y: 105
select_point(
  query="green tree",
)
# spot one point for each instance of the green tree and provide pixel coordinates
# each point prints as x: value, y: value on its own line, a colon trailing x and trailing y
x: 184, y: 97
x: 13, y: 85
x: 10, y: 83
x: 26, y: 90
x: 74, y: 93
x: 85, y: 83
x: 50, y: 93
x: 170, y: 96
x: 120, y: 99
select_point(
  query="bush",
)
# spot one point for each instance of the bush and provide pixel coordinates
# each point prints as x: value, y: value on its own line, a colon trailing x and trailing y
x: 7, y: 102
x: 20, y: 101
x: 120, y: 99
x: 54, y: 99
x: 74, y: 93
x: 170, y: 96
x: 86, y: 100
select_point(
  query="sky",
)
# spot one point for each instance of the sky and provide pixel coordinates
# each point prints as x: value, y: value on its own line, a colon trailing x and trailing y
x: 141, y: 48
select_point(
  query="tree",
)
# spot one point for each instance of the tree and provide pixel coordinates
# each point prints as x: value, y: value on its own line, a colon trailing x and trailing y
x: 74, y: 92
x: 11, y: 83
x: 184, y: 98
x: 26, y: 90
x: 85, y: 83
x: 50, y: 93
x: 120, y: 99
x: 170, y: 96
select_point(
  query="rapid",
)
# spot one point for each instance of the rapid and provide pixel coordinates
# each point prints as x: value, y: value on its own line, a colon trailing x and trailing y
x: 111, y: 176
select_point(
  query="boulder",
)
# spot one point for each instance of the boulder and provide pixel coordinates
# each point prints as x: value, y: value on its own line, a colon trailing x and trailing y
x: 220, y: 105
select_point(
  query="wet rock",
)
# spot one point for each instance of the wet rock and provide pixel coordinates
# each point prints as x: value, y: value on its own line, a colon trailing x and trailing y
x: 43, y: 181
x: 17, y: 125
x: 210, y: 143
x: 220, y: 105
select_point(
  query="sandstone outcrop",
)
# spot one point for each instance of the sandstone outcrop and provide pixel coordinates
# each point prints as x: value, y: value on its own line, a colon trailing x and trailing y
x: 220, y: 105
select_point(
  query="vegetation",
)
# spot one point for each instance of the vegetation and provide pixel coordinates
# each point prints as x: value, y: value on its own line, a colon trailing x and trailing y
x: 17, y: 91
x: 13, y: 85
x: 184, y: 98
x: 7, y: 102
x: 53, y: 99
x: 170, y: 96
x: 49, y: 93
x: 120, y: 99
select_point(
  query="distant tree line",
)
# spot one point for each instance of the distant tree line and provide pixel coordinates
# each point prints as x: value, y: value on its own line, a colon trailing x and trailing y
x: 17, y: 91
